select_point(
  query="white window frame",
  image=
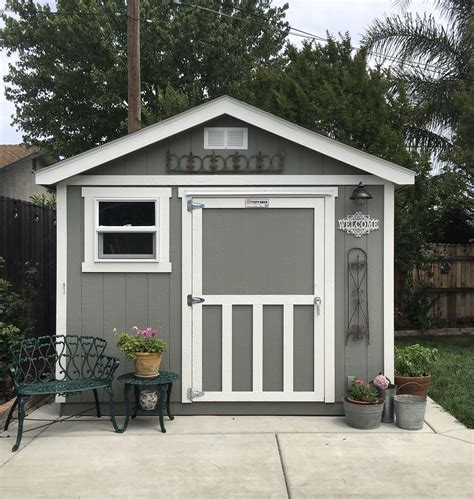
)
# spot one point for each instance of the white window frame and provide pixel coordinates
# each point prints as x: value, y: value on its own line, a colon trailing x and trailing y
x: 226, y: 129
x: 93, y: 196
x: 124, y: 229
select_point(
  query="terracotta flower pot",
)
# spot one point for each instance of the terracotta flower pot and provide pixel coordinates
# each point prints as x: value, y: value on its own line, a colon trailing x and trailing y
x: 412, y: 385
x: 147, y: 364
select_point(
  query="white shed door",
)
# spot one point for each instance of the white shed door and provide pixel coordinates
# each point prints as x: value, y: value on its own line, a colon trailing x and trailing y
x: 258, y: 306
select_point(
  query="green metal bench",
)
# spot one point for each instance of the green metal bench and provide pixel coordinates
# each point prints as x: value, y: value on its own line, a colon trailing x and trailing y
x: 60, y: 365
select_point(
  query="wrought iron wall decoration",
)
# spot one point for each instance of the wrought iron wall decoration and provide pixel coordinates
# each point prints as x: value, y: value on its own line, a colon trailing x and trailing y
x: 358, y: 306
x: 217, y: 164
x: 358, y: 224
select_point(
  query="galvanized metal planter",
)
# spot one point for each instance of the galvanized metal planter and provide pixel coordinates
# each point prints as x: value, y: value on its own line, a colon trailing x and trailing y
x: 363, y: 416
x: 388, y: 410
x: 410, y: 411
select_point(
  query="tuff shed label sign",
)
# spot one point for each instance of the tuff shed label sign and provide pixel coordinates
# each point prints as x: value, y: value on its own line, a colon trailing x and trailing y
x: 257, y: 203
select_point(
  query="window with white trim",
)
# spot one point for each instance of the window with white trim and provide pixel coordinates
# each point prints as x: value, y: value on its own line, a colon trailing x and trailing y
x: 126, y: 229
x: 225, y: 138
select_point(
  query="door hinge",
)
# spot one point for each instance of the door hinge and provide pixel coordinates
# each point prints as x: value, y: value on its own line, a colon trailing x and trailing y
x: 193, y: 206
x: 193, y: 300
x: 194, y: 394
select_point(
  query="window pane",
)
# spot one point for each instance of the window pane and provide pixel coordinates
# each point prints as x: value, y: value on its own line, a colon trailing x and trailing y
x: 127, y: 245
x: 120, y: 213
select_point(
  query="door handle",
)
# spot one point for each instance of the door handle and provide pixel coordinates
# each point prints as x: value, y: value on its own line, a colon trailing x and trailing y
x: 317, y: 302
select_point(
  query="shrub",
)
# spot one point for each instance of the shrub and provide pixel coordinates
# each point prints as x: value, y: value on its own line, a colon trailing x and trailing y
x: 17, y: 319
x: 415, y: 360
x: 19, y: 308
x: 9, y: 335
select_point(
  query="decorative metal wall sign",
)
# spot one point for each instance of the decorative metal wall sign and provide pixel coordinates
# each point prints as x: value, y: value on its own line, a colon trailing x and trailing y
x: 218, y: 164
x: 358, y: 224
x: 358, y: 306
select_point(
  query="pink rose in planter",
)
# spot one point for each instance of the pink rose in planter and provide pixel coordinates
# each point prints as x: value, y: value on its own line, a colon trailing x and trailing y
x: 359, y: 381
x: 381, y: 382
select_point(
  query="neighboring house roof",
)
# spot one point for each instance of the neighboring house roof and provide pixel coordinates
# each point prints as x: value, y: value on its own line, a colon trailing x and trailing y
x: 12, y: 153
x: 213, y: 109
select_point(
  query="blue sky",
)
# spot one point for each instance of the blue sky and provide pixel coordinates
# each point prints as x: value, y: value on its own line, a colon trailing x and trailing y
x: 315, y: 16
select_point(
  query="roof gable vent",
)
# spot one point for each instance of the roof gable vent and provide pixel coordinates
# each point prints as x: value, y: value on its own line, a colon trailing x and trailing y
x: 225, y: 138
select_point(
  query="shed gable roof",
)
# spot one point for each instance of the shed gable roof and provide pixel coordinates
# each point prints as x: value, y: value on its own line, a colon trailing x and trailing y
x: 213, y: 109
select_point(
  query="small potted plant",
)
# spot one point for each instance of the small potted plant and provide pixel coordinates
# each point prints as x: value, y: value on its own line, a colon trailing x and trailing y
x: 363, y: 406
x: 413, y: 365
x: 387, y: 391
x: 144, y: 348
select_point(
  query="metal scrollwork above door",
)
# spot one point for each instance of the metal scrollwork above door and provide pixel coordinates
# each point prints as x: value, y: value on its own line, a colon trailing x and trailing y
x: 231, y: 164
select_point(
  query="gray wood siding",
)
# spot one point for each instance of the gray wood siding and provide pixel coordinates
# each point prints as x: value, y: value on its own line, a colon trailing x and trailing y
x: 152, y: 160
x: 99, y: 302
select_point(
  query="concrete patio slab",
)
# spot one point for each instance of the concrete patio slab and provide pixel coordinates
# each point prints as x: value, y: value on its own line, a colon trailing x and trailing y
x: 130, y: 466
x: 376, y: 465
x: 225, y: 456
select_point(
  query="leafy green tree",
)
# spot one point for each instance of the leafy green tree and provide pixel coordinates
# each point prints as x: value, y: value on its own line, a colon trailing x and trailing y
x: 69, y: 85
x: 461, y: 156
x: 434, y: 60
x: 453, y: 217
x: 331, y: 90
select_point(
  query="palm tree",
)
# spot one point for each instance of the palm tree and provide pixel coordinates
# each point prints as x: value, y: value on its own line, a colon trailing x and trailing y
x: 434, y: 60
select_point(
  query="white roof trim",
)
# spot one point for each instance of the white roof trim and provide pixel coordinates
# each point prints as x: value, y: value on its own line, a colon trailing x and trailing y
x: 206, y: 112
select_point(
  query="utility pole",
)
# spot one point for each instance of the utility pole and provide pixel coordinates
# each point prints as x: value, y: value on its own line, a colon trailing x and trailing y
x: 134, y: 84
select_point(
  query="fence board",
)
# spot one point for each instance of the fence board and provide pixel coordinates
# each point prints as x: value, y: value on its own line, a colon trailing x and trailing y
x: 451, y: 280
x: 28, y: 234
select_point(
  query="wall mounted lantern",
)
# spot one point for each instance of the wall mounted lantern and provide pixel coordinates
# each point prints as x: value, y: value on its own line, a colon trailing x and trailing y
x: 360, y: 194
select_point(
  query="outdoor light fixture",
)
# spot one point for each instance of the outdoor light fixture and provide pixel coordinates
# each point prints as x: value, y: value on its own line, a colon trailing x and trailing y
x: 360, y: 194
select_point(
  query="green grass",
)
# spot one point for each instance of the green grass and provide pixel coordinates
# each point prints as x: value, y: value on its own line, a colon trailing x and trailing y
x: 452, y: 384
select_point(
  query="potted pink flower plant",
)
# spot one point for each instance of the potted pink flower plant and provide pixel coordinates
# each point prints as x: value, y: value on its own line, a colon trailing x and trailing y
x: 363, y: 406
x: 144, y: 348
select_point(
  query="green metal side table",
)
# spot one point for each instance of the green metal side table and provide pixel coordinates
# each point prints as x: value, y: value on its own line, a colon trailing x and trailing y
x: 163, y: 385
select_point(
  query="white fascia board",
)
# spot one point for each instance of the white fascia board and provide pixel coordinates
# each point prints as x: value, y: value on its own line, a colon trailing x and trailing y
x: 206, y: 112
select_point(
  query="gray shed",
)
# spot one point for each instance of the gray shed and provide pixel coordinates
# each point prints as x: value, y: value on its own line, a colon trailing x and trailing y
x: 253, y: 215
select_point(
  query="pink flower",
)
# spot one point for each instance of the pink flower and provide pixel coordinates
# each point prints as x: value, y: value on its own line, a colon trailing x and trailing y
x: 381, y: 382
x: 359, y: 381
x: 147, y: 332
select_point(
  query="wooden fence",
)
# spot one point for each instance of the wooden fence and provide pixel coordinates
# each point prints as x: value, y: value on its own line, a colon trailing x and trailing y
x: 450, y: 272
x: 28, y: 234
